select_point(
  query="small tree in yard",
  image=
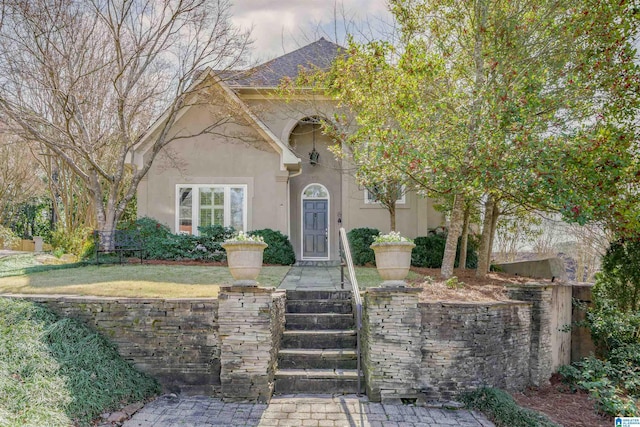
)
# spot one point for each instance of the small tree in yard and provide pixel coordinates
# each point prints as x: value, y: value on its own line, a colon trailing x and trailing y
x: 85, y: 79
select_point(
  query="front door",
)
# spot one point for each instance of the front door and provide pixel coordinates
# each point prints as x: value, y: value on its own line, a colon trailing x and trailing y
x: 315, y: 229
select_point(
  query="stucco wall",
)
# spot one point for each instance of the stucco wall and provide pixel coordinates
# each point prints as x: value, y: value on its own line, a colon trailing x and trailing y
x: 242, y: 157
x: 174, y: 340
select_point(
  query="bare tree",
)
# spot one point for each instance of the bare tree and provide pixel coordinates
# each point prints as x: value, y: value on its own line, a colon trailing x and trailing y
x: 19, y: 176
x: 86, y: 78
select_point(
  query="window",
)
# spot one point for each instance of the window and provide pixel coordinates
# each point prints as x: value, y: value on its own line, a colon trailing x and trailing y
x: 204, y: 205
x: 370, y: 195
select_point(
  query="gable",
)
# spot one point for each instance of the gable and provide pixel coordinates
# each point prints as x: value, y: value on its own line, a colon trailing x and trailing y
x: 211, y: 91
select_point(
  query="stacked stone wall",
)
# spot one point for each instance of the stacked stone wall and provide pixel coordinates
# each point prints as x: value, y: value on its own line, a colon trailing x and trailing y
x: 469, y: 345
x: 251, y: 323
x: 174, y: 340
x: 390, y: 343
x: 541, y: 343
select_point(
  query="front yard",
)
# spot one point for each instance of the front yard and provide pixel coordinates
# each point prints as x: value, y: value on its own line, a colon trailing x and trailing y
x: 128, y: 280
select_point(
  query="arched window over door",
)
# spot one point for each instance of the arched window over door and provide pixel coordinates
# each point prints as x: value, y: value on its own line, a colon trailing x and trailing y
x: 315, y: 222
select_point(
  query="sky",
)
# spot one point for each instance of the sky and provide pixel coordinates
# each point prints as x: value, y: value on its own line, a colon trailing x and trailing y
x: 280, y: 26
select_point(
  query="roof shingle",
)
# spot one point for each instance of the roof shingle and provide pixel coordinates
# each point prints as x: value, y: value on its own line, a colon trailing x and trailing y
x: 318, y: 54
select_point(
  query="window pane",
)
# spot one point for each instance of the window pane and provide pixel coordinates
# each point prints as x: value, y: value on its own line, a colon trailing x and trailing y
x: 205, y: 197
x: 218, y: 216
x: 237, y: 208
x: 218, y: 197
x: 205, y: 217
x: 185, y: 208
x: 315, y: 192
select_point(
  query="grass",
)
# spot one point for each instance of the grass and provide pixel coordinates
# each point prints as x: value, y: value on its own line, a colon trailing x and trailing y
x: 16, y: 265
x: 500, y: 408
x: 131, y: 280
x: 56, y: 372
x: 368, y: 277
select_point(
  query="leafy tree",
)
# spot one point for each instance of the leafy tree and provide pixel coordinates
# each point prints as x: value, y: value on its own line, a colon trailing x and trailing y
x: 524, y: 102
x: 86, y: 79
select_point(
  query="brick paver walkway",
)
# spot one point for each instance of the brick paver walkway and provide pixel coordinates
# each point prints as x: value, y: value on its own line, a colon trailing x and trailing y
x: 338, y: 411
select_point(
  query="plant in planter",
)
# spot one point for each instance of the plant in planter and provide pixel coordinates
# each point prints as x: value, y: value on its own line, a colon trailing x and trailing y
x: 393, y: 257
x: 244, y: 257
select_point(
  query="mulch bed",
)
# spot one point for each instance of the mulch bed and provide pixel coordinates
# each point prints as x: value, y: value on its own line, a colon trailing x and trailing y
x: 563, y: 406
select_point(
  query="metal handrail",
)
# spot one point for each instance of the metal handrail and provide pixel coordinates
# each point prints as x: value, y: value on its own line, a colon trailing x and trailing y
x: 346, y: 260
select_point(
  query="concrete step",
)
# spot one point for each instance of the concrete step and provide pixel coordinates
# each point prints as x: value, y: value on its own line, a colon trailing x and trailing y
x: 319, y: 306
x: 316, y: 295
x: 316, y: 381
x: 325, y: 339
x: 305, y: 358
x: 318, y: 321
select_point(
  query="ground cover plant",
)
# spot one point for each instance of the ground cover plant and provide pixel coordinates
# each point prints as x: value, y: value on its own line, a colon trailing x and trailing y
x: 500, y: 408
x: 56, y: 372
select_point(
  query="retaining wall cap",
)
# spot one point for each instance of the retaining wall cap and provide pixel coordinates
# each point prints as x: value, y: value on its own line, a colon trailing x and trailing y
x: 472, y: 303
x: 389, y: 289
x: 65, y: 297
x: 251, y: 289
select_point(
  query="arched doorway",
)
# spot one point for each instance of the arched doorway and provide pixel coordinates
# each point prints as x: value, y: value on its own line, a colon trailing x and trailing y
x: 315, y: 222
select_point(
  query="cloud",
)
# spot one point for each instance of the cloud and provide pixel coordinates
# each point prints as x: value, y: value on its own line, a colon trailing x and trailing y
x: 280, y: 26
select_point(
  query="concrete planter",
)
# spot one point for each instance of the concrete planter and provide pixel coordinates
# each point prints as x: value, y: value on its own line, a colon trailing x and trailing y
x: 393, y: 260
x: 244, y: 259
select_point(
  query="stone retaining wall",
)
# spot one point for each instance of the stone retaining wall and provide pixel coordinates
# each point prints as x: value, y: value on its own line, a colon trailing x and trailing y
x: 251, y: 325
x: 174, y: 340
x: 468, y: 345
x: 434, y: 351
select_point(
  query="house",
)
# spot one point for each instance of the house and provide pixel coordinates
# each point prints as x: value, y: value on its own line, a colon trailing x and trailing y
x: 267, y: 164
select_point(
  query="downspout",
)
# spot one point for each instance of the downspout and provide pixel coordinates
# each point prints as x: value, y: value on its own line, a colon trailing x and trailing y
x: 291, y: 175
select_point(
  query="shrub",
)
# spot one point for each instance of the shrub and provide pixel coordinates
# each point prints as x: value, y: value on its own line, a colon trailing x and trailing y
x: 429, y: 251
x: 359, y: 240
x: 8, y: 238
x: 148, y: 228
x: 77, y: 242
x: 279, y: 250
x: 500, y: 408
x: 612, y: 328
x: 619, y: 281
x: 613, y: 384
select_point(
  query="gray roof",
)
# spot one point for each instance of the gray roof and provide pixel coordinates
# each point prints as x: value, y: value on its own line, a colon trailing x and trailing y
x: 319, y: 54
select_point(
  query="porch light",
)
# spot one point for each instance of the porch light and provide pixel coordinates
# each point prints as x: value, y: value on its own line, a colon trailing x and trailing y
x: 314, y: 156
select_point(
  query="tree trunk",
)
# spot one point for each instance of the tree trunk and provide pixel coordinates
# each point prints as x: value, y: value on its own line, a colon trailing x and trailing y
x: 494, y: 224
x: 392, y: 217
x: 455, y: 227
x: 485, y: 239
x: 462, y: 262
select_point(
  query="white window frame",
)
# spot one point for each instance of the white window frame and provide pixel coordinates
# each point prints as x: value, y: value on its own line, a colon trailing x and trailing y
x: 195, y: 205
x: 368, y: 200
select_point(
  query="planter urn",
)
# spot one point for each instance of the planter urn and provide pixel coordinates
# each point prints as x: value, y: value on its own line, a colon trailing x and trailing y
x: 393, y: 260
x: 244, y: 259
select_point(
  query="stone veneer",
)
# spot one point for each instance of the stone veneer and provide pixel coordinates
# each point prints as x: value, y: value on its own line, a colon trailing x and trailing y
x: 469, y: 345
x: 174, y: 340
x: 541, y: 342
x: 434, y: 351
x: 390, y: 343
x: 251, y: 325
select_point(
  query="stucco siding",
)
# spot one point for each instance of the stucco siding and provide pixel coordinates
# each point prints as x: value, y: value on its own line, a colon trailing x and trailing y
x: 242, y: 157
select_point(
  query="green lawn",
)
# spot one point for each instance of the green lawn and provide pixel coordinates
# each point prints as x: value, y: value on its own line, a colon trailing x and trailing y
x: 129, y: 280
x: 368, y: 277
